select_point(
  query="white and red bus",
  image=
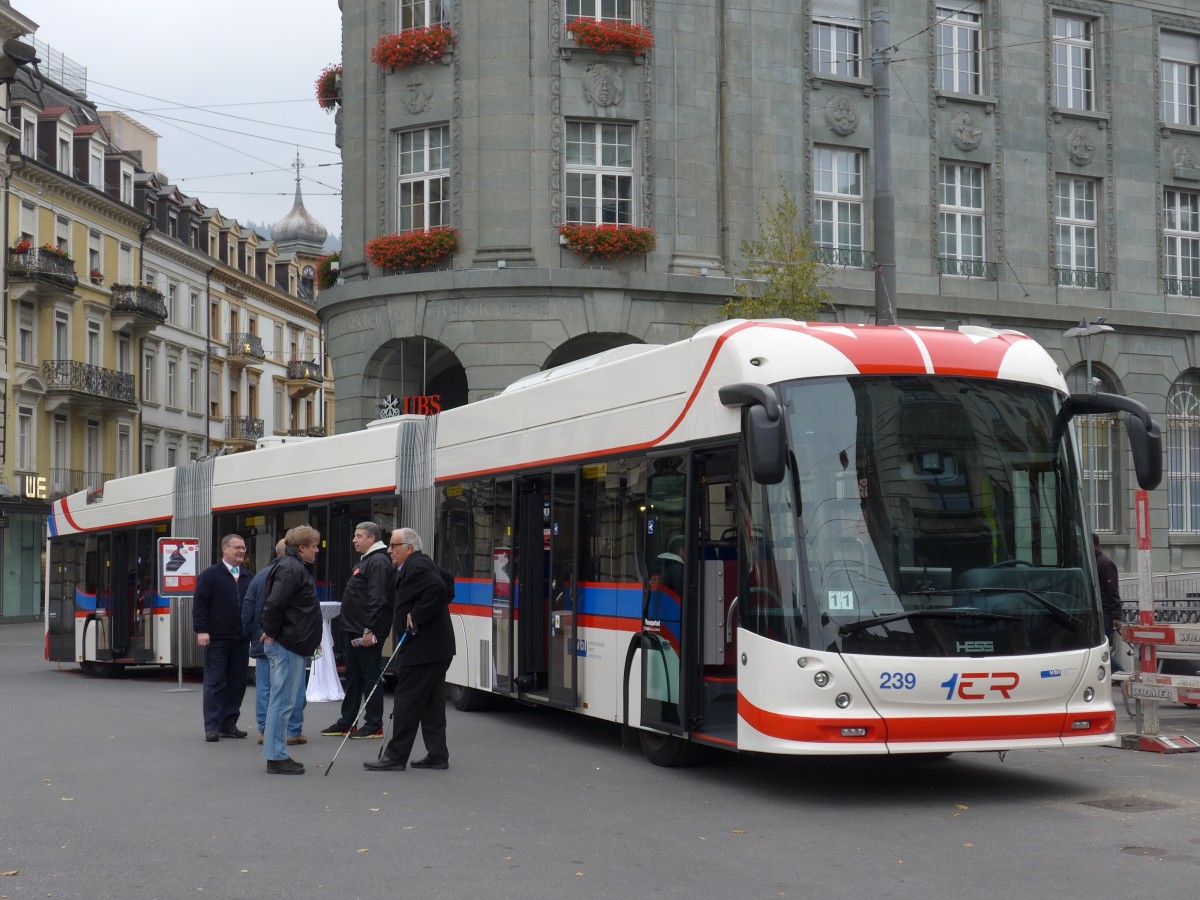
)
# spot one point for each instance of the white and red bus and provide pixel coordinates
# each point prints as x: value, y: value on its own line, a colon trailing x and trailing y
x: 773, y: 536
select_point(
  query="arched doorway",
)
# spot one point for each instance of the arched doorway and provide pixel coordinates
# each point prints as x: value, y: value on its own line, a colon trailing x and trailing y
x: 416, y: 367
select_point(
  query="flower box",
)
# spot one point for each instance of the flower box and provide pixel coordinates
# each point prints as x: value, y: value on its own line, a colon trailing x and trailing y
x: 610, y: 37
x: 21, y: 246
x: 51, y: 250
x: 411, y: 48
x: 412, y: 251
x: 96, y: 276
x: 607, y: 241
x: 328, y: 87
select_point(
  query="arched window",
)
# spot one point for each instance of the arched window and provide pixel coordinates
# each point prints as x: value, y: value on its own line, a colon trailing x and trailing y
x: 1097, y: 437
x: 1183, y: 454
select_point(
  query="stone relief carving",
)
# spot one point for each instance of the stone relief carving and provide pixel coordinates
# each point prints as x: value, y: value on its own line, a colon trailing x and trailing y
x: 417, y: 94
x: 967, y: 135
x: 1080, y: 147
x: 1185, y: 156
x: 603, y: 86
x: 841, y: 115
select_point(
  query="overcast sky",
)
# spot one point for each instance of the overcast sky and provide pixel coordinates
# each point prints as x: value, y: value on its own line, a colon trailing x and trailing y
x: 227, y: 84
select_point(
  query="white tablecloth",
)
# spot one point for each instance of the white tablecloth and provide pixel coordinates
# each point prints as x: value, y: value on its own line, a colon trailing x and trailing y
x: 323, y: 683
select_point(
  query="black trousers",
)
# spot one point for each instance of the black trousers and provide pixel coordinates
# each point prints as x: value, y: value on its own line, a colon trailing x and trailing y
x: 226, y: 671
x: 362, y: 674
x: 420, y: 700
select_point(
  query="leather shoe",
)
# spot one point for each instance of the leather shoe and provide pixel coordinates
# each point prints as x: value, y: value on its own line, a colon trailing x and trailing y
x: 234, y: 732
x: 284, y: 767
x: 386, y: 764
x: 298, y: 739
x: 212, y: 736
x: 430, y: 763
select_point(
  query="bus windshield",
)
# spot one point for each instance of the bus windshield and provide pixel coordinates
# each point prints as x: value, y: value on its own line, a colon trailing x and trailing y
x: 932, y: 517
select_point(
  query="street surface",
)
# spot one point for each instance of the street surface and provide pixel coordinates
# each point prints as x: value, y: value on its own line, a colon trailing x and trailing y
x: 110, y: 791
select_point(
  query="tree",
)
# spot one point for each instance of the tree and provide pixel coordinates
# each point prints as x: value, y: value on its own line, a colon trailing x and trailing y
x: 779, y: 276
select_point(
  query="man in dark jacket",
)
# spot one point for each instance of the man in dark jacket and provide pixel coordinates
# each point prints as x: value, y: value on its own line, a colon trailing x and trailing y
x: 251, y: 614
x: 423, y: 611
x: 217, y: 621
x: 1110, y: 598
x: 291, y: 631
x: 366, y: 615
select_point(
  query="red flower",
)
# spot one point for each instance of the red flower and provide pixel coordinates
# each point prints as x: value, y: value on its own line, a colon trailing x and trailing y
x: 408, y: 48
x: 411, y: 251
x: 610, y: 37
x: 21, y: 246
x: 327, y: 88
x: 608, y: 241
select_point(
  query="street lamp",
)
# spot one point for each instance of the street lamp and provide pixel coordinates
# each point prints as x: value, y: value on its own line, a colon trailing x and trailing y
x: 1083, y: 332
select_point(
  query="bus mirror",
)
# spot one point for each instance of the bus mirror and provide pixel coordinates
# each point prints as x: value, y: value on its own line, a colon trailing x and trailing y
x: 764, y: 446
x: 1146, y: 446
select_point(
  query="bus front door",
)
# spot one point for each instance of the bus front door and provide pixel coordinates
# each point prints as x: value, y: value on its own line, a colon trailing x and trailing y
x: 531, y: 547
x: 563, y: 588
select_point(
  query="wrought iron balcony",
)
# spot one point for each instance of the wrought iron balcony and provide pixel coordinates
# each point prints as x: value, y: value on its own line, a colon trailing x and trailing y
x: 1182, y: 287
x: 144, y: 302
x: 302, y: 369
x: 243, y: 428
x: 245, y: 349
x: 840, y: 256
x: 313, y: 431
x: 92, y: 382
x: 1083, y: 278
x: 967, y: 268
x: 36, y: 264
x: 71, y: 481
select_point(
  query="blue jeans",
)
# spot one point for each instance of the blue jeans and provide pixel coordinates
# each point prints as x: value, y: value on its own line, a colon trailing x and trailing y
x: 262, y: 693
x: 287, y: 685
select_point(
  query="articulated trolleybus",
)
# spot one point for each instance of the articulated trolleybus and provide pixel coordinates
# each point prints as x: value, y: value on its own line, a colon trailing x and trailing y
x: 774, y: 536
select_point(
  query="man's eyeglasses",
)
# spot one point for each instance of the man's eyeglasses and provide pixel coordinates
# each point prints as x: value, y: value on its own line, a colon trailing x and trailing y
x: 401, y: 544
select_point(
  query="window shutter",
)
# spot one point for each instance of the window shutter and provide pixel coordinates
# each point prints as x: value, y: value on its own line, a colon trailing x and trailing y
x: 1184, y: 48
x: 954, y: 6
x: 842, y: 12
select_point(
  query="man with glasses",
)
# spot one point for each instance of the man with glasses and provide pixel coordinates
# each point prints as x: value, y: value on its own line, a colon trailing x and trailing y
x: 217, y: 621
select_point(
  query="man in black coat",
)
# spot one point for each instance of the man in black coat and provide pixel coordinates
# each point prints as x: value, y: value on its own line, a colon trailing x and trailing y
x: 366, y: 615
x: 423, y: 611
x: 217, y: 621
x: 1110, y: 598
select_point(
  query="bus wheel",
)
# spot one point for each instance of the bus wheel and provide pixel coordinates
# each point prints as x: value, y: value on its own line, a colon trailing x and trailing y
x: 668, y: 750
x: 467, y: 699
x: 94, y: 669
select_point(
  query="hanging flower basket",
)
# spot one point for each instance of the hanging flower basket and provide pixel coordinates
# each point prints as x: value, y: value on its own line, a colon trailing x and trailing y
x: 21, y: 246
x: 412, y: 251
x: 328, y: 94
x: 51, y: 250
x: 607, y: 241
x: 610, y: 37
x: 410, y: 48
x: 327, y: 270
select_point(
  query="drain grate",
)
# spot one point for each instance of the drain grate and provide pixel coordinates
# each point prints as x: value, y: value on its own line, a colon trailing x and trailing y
x: 1128, y: 804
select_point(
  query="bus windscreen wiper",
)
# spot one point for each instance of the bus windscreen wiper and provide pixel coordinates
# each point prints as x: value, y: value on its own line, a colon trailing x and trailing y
x: 953, y: 612
x: 1071, y: 621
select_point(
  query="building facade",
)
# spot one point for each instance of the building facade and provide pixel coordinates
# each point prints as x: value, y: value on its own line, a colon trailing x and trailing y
x: 143, y: 328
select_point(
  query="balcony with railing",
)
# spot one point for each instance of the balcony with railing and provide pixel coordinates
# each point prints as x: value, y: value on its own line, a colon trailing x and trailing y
x: 51, y: 276
x: 304, y: 378
x: 71, y: 382
x: 967, y: 268
x: 70, y: 481
x: 313, y: 431
x: 242, y: 432
x: 1181, y: 287
x: 1083, y: 278
x: 844, y: 257
x: 245, y: 350
x: 137, y: 307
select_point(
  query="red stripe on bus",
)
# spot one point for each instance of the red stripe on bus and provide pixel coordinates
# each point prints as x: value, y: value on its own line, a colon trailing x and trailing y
x: 802, y: 728
x: 612, y: 623
x: 469, y: 609
x: 71, y: 521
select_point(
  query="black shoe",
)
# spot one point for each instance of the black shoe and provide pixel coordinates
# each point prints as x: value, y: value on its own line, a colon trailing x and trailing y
x: 385, y: 764
x: 336, y: 730
x: 284, y: 767
x: 233, y: 732
x: 430, y: 763
x: 212, y: 736
x: 366, y: 734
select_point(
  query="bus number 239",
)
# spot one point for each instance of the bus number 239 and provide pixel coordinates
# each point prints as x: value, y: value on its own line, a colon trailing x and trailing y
x: 897, y: 681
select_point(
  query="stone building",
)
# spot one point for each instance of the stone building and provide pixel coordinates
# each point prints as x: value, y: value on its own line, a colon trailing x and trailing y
x: 1045, y: 158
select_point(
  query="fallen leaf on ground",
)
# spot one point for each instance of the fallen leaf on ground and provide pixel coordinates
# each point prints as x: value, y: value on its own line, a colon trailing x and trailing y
x: 363, y: 850
x: 11, y: 872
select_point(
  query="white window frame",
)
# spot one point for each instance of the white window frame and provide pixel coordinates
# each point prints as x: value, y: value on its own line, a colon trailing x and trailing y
x: 838, y: 38
x: 124, y: 451
x: 1180, y: 78
x: 414, y: 14
x: 959, y: 40
x: 62, y: 335
x: 64, y: 152
x: 623, y: 11
x: 92, y: 455
x: 96, y: 166
x: 28, y: 132
x: 26, y: 438
x: 60, y: 454
x: 962, y: 216
x: 1183, y: 452
x: 194, y: 388
x: 1073, y: 62
x: 125, y: 264
x: 1077, y: 224
x: 124, y: 353
x: 150, y: 375
x: 1096, y: 436
x: 149, y: 452
x: 1181, y: 241
x: 838, y: 198
x: 600, y: 182
x: 95, y: 254
x: 95, y: 347
x: 173, y: 382
x: 423, y: 178
x: 29, y: 217
x: 126, y: 185
x: 26, y: 334
x: 62, y: 234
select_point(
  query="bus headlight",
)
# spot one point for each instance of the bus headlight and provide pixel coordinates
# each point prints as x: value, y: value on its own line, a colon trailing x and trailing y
x: 821, y: 679
x: 1088, y: 695
x: 842, y: 700
x: 1101, y: 674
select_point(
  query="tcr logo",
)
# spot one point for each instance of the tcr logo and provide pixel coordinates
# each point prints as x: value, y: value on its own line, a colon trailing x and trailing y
x: 977, y: 685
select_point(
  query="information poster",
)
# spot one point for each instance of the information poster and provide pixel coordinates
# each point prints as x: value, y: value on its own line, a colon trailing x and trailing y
x: 177, y: 561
